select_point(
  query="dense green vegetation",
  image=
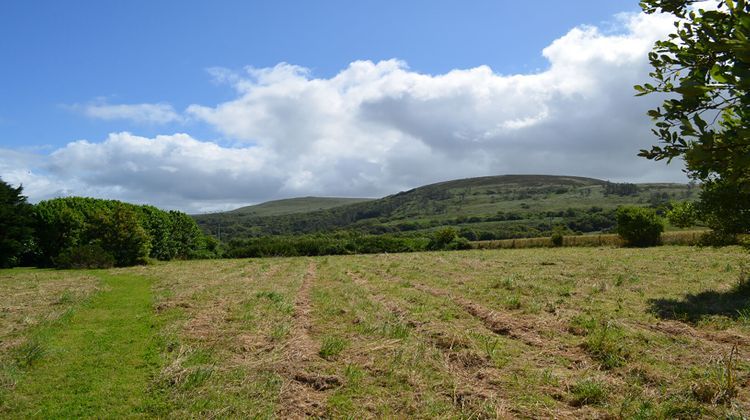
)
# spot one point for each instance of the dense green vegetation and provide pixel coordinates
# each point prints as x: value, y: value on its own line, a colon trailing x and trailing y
x: 501, y: 207
x: 77, y: 232
x: 15, y: 224
x: 86, y: 232
x: 639, y: 226
x: 69, y: 229
x: 343, y: 243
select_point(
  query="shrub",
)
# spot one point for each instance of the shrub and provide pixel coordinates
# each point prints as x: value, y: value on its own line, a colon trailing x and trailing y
x: 639, y: 226
x: 85, y: 256
x: 443, y: 237
x: 682, y: 215
x: 458, y: 243
x: 557, y: 238
x: 558, y: 235
x: 468, y: 234
x: 717, y: 238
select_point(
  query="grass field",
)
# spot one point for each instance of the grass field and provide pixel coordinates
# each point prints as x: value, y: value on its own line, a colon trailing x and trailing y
x: 567, y: 332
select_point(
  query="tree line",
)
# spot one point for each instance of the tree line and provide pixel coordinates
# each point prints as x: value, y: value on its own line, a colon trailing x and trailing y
x: 78, y: 232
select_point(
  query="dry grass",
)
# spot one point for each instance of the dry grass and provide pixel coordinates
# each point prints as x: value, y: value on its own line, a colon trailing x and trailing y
x: 688, y: 237
x: 568, y: 333
x: 30, y: 298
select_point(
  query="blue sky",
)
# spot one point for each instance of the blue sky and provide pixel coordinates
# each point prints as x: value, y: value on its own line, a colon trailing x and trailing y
x: 95, y: 71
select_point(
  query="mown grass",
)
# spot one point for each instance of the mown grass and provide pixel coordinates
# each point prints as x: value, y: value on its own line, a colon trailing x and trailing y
x: 549, y: 332
x: 97, y: 361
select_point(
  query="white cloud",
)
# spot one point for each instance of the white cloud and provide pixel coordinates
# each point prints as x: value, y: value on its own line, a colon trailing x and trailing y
x: 160, y: 113
x: 377, y: 128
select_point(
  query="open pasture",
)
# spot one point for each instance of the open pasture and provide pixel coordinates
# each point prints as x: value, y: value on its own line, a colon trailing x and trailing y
x: 568, y: 333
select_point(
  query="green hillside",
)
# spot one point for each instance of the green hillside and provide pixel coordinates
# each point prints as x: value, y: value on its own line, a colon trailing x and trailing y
x: 495, y: 207
x: 295, y: 205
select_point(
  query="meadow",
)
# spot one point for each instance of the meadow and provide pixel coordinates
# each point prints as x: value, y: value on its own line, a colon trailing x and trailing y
x: 594, y: 332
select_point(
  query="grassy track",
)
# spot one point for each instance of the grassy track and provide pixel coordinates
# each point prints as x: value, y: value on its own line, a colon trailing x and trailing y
x: 95, y: 363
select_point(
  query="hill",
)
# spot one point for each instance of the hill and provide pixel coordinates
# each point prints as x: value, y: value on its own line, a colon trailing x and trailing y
x: 494, y: 207
x: 295, y: 205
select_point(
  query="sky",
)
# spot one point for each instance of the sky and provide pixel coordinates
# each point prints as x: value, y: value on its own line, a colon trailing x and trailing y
x: 205, y: 106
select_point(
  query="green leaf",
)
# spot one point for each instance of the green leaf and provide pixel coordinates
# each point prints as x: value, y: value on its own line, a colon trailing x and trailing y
x: 717, y: 74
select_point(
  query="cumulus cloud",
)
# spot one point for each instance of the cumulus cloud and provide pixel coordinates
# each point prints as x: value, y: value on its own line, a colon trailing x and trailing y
x: 377, y: 128
x: 578, y: 117
x: 177, y: 170
x: 160, y: 113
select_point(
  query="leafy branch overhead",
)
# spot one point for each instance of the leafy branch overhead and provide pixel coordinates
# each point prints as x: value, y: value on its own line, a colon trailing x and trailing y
x: 704, y: 68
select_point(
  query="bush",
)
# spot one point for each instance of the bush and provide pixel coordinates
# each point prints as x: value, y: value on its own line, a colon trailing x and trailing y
x: 682, y: 215
x: 717, y: 239
x: 448, y: 239
x: 639, y: 226
x: 468, y: 234
x: 558, y: 234
x: 458, y: 243
x: 85, y: 256
x: 443, y: 237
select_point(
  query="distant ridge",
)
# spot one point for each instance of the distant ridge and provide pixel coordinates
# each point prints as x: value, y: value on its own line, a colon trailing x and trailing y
x: 527, y: 180
x: 295, y: 205
x: 502, y: 206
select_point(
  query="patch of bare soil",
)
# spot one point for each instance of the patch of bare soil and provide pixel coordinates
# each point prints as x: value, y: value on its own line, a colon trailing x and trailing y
x: 318, y: 382
x: 303, y: 394
x: 301, y: 346
x: 207, y: 324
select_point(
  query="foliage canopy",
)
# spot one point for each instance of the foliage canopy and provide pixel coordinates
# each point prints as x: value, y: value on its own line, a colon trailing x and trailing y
x: 15, y: 226
x: 89, y: 232
x: 704, y: 68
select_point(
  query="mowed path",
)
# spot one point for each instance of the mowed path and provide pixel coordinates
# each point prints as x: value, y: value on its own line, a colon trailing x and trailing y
x: 97, y: 363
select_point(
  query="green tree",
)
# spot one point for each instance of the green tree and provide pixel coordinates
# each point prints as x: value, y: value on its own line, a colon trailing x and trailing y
x: 15, y: 224
x: 682, y: 215
x: 704, y: 68
x: 58, y: 228
x: 639, y: 226
x: 186, y: 235
x: 120, y: 234
x: 158, y: 224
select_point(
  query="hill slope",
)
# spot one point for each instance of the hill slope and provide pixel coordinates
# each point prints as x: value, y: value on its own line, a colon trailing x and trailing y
x: 496, y: 207
x: 295, y: 205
